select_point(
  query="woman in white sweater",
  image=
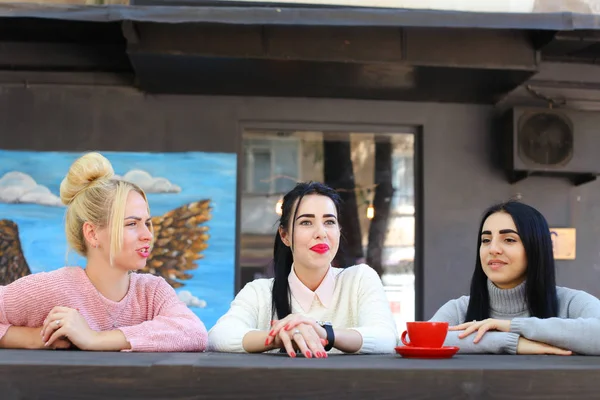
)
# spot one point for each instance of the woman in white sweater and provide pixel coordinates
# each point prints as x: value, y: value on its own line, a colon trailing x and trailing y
x: 309, y: 307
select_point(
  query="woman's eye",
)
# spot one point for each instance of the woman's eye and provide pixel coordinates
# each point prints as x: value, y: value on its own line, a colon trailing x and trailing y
x: 485, y: 240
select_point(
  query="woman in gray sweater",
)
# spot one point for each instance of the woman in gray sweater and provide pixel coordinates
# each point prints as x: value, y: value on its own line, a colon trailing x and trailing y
x: 514, y: 305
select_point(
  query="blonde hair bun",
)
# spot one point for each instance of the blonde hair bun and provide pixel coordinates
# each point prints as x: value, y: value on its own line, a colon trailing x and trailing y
x: 86, y: 170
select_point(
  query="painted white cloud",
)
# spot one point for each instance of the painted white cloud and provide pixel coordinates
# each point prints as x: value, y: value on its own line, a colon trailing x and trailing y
x: 18, y: 187
x: 149, y: 183
x: 190, y: 300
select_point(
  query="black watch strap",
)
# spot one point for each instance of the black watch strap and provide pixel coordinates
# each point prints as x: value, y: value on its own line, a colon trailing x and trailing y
x: 330, y: 336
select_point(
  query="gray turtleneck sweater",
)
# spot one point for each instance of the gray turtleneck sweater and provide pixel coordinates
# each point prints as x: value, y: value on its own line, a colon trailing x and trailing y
x: 577, y: 327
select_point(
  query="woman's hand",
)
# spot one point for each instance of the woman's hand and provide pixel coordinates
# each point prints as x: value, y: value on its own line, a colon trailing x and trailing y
x: 481, y: 327
x: 302, y: 337
x: 60, y: 344
x: 63, y: 323
x: 292, y: 321
x: 526, y: 346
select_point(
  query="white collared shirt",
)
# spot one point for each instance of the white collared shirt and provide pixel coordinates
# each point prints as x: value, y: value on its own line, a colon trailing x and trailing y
x: 305, y: 297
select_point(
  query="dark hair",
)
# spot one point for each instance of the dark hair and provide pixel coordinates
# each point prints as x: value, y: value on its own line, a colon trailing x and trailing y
x: 540, y: 286
x: 282, y: 254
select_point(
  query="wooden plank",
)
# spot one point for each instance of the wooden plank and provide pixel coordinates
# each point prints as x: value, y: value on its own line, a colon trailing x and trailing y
x: 349, y: 44
x: 28, y: 55
x: 32, y: 78
x: 69, y: 375
x: 482, y: 48
x: 414, y: 46
x: 252, y: 77
x: 211, y: 39
x: 309, y: 43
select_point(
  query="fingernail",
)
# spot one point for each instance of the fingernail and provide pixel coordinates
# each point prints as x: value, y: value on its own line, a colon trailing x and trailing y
x: 272, y: 332
x: 308, y: 354
x: 293, y: 355
x: 267, y: 342
x: 287, y: 328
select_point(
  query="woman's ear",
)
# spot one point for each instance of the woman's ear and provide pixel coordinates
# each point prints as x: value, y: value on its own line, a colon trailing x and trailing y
x: 284, y: 236
x: 90, y: 234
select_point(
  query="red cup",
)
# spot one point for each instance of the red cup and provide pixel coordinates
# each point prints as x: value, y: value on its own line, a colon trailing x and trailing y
x: 425, y: 334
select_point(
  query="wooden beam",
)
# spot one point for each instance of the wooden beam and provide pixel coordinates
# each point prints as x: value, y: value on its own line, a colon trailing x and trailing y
x: 307, y: 43
x: 31, y: 78
x: 490, y: 49
x: 291, y: 78
x: 66, y: 56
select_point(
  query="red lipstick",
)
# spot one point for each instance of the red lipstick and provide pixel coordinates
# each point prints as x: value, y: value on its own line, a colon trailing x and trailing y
x: 320, y: 248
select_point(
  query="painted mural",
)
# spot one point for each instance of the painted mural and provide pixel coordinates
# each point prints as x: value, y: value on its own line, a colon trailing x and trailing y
x: 192, y: 202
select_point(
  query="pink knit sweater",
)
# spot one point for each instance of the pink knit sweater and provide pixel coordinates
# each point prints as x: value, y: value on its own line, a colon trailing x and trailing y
x: 151, y: 316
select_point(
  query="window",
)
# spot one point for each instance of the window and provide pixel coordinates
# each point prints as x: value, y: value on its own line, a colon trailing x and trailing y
x: 403, y: 181
x: 259, y: 166
x: 271, y: 166
x: 352, y: 163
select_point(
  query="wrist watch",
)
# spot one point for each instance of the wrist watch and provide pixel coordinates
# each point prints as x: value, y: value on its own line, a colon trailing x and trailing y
x: 330, y: 335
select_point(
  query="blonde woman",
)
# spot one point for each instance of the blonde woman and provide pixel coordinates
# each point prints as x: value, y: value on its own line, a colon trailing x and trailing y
x: 104, y: 307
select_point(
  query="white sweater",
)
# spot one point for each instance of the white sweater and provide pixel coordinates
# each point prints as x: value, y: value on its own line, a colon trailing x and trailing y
x: 359, y: 303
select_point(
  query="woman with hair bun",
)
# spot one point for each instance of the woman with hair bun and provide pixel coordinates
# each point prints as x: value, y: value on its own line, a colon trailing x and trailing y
x: 104, y: 306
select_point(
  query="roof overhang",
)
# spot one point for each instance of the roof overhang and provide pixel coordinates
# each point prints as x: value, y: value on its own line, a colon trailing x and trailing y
x: 230, y: 48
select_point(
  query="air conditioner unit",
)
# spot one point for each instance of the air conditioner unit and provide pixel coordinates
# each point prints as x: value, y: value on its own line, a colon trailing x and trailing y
x: 551, y: 142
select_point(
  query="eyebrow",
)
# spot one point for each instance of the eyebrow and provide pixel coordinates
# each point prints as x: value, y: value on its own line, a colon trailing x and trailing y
x: 313, y: 215
x: 502, y: 232
x: 137, y: 218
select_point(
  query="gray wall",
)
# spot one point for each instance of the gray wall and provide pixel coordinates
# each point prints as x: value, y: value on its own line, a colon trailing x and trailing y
x: 459, y: 178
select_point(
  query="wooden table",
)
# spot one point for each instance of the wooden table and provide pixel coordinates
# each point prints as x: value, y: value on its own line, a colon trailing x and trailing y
x: 85, y: 375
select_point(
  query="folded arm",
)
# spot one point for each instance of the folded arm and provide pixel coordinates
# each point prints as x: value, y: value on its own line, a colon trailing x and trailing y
x: 174, y: 327
x: 579, y: 332
x: 22, y: 312
x: 237, y: 331
x: 376, y: 324
x: 454, y: 313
